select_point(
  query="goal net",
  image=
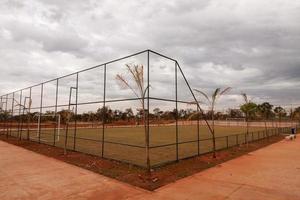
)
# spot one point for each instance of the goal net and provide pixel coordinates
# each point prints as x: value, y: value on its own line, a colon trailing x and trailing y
x: 47, y: 126
x: 236, y: 121
x: 239, y: 119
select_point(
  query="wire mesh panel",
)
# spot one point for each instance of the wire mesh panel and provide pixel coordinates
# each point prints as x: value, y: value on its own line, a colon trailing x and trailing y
x: 46, y: 118
x: 17, y: 97
x: 139, y: 109
x: 25, y: 105
x: 162, y: 131
x: 91, y: 86
x: 124, y: 139
x: 89, y: 128
x: 241, y: 138
x: 232, y: 140
x: 221, y: 143
x: 189, y: 132
x: 206, y: 145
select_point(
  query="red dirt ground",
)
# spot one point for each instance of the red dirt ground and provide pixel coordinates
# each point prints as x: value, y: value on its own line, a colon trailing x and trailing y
x: 134, y: 175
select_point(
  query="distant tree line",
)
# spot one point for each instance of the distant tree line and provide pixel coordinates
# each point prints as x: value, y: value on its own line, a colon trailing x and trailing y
x: 264, y: 111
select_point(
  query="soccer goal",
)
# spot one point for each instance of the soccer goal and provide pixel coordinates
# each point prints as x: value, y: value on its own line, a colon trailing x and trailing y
x: 57, y: 123
x: 22, y: 109
x: 236, y: 121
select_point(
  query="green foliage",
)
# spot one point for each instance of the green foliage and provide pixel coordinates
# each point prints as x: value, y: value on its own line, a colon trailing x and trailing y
x: 249, y: 109
x: 279, y: 112
x: 265, y: 110
x: 296, y: 113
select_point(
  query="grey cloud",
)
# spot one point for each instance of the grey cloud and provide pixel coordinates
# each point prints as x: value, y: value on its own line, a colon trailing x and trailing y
x: 252, y: 46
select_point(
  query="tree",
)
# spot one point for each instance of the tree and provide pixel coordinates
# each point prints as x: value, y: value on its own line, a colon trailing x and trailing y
x: 279, y: 112
x: 296, y: 113
x: 129, y: 114
x: 65, y: 116
x: 212, y: 103
x: 157, y: 113
x: 235, y: 113
x: 248, y: 108
x: 137, y: 86
x: 265, y: 109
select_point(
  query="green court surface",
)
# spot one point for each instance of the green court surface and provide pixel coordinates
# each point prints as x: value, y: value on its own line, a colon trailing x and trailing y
x: 128, y: 143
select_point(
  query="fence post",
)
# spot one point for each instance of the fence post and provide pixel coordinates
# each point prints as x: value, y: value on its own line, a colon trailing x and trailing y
x: 20, y: 118
x: 6, y: 125
x: 227, y: 145
x: 55, y: 112
x: 148, y: 105
x: 12, y: 114
x: 176, y: 99
x: 237, y: 139
x: 198, y: 131
x: 41, y: 110
x: 75, y: 123
x: 23, y: 113
x: 28, y: 114
x: 104, y: 112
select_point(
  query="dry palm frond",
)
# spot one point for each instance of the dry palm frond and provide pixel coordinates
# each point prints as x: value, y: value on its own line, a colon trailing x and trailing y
x: 225, y: 90
x: 203, y: 95
x: 137, y: 75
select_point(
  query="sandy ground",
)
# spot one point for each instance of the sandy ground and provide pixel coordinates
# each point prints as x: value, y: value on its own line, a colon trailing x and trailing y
x: 269, y: 173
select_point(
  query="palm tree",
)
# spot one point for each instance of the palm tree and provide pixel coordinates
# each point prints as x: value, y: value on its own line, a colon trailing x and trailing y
x: 212, y: 103
x: 137, y: 86
x: 248, y: 108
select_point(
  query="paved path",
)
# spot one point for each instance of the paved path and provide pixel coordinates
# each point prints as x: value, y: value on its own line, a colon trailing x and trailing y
x: 271, y: 173
x: 28, y: 175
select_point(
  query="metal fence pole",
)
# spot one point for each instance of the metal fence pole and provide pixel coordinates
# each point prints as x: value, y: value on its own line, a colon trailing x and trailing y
x: 176, y: 99
x: 6, y: 124
x: 23, y: 115
x: 12, y: 114
x: 55, y: 112
x: 19, y: 120
x: 227, y: 143
x: 148, y: 106
x: 41, y: 110
x: 76, y: 102
x: 198, y: 131
x: 28, y: 114
x: 103, y: 112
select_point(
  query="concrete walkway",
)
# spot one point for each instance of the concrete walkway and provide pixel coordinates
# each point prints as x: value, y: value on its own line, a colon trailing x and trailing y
x: 271, y: 173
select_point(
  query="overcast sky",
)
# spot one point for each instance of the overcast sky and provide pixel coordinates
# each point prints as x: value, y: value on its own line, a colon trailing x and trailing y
x: 250, y: 45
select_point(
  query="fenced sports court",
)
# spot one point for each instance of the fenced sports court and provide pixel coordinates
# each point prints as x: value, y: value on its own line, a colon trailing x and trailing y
x: 74, y: 111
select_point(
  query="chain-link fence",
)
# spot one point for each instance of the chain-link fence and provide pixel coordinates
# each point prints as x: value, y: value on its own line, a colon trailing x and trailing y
x: 127, y: 109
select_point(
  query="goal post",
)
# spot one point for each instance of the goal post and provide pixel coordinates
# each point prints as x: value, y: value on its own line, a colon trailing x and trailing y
x: 9, y: 105
x: 57, y: 118
x: 235, y: 121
